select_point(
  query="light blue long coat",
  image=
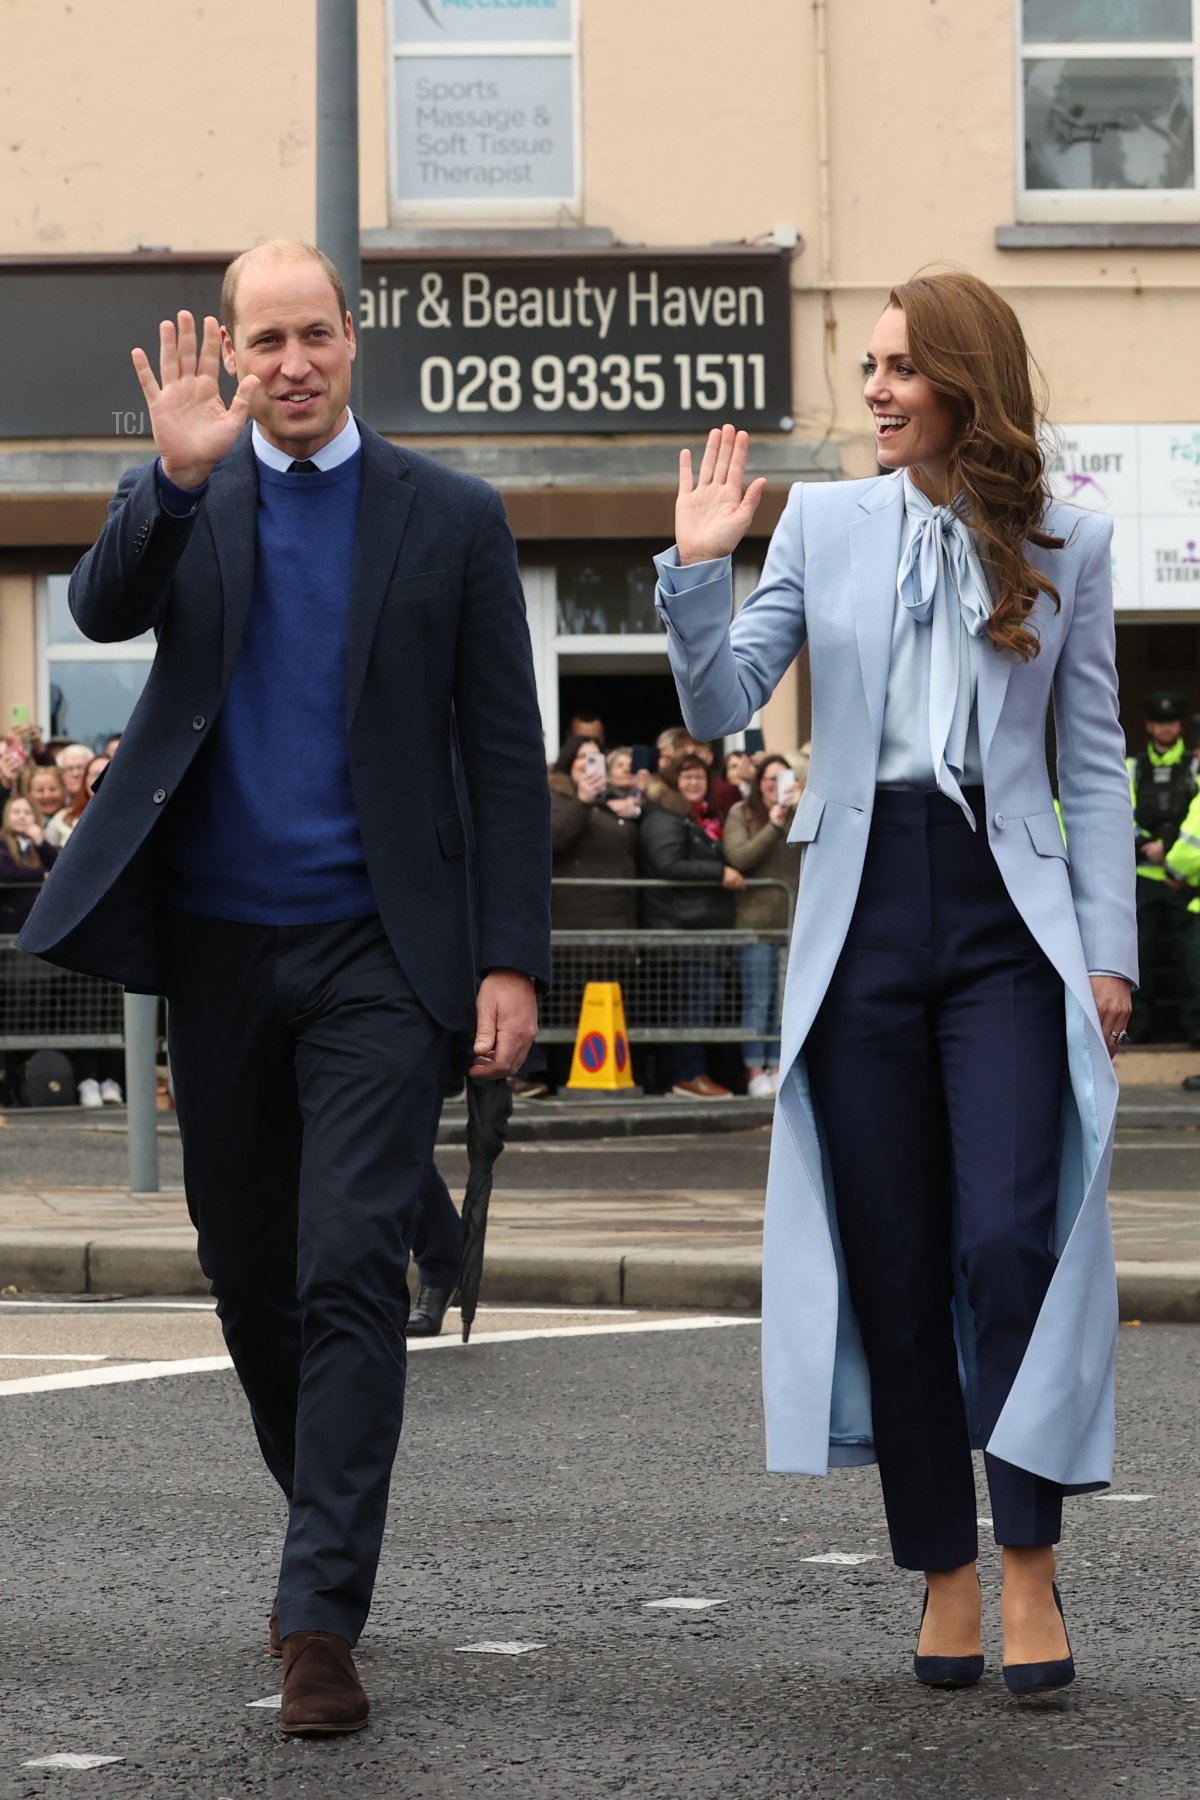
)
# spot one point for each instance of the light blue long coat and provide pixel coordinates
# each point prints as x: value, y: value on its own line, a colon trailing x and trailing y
x: 830, y: 580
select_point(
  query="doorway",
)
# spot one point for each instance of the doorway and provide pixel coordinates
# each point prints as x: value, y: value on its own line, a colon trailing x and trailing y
x: 634, y: 706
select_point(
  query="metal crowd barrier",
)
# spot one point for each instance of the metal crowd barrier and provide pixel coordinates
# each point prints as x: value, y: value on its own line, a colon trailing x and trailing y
x: 47, y: 1008
x: 663, y: 973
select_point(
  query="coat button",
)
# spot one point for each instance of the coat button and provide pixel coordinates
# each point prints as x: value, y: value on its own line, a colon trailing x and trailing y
x: 160, y: 795
x: 999, y: 821
x: 199, y: 722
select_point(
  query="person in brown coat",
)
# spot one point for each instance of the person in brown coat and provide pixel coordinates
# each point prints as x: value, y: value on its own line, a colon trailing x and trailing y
x: 594, y: 833
x: 756, y: 843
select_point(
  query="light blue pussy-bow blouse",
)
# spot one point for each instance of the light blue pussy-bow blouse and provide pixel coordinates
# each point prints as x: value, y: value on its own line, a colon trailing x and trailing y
x: 930, y: 732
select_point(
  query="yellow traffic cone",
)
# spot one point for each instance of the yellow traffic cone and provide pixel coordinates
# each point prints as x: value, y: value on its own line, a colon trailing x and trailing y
x: 600, y: 1065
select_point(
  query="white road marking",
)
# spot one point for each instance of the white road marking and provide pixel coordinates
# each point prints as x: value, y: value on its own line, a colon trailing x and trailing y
x: 146, y: 1371
x: 513, y: 1647
x: 67, y: 1759
x: 1132, y: 1498
x: 104, y: 1307
x: 712, y: 1323
x: 841, y: 1558
x: 206, y: 1365
x: 108, y: 1307
x: 273, y: 1702
x: 47, y: 1356
x: 684, y: 1603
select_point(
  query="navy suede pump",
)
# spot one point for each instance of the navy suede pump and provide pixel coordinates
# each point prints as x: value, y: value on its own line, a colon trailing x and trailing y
x: 1042, y: 1677
x: 946, y: 1671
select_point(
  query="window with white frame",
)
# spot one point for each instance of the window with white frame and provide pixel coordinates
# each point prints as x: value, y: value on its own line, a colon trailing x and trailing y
x: 484, y: 107
x: 1108, y: 101
x: 87, y: 690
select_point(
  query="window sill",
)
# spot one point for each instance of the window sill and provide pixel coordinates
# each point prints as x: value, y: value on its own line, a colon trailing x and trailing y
x: 488, y: 237
x: 1176, y: 235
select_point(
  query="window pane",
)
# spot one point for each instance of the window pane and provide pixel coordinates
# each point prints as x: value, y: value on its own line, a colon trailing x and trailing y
x: 1108, y: 21
x: 605, y: 592
x: 1109, y: 124
x: 90, y: 701
x: 62, y: 627
x: 447, y: 22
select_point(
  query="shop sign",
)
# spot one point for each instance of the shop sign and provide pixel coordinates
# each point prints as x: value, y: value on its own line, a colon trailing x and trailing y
x: 600, y: 344
x: 1147, y: 477
x: 484, y: 102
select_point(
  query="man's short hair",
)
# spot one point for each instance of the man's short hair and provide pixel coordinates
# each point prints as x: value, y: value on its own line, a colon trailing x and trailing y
x: 73, y: 750
x: 673, y: 738
x: 282, y: 247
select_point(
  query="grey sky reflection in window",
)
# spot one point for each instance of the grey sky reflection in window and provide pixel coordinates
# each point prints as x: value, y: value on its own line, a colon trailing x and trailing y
x: 606, y: 593
x: 1108, y: 21
x: 92, y: 701
x: 1109, y: 123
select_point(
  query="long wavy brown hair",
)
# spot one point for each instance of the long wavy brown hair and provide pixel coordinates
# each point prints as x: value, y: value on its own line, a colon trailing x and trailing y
x: 968, y: 344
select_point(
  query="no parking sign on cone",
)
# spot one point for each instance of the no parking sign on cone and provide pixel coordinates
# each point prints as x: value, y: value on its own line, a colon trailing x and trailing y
x: 600, y: 1064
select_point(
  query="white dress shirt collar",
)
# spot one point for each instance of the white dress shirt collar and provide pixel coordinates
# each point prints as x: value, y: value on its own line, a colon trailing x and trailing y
x: 337, y: 450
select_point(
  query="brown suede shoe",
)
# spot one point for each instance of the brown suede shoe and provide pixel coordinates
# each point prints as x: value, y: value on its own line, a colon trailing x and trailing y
x: 321, y: 1689
x: 274, y: 1641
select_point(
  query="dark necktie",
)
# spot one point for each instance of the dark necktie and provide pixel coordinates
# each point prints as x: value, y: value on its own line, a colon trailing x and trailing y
x: 307, y: 467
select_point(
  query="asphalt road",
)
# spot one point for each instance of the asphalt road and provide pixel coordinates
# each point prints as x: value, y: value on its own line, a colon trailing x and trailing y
x: 546, y: 1491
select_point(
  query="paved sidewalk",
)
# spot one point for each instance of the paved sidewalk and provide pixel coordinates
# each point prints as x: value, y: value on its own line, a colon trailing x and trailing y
x: 650, y: 1221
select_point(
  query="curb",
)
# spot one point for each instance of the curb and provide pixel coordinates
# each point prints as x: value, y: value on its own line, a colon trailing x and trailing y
x: 164, y: 1264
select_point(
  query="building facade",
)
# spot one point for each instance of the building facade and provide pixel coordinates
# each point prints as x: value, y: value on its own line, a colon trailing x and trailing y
x: 591, y: 229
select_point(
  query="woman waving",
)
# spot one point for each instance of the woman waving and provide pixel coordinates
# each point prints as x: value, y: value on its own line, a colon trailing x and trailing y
x: 962, y: 974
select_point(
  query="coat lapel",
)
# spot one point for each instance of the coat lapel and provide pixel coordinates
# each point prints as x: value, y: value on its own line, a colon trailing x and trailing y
x: 383, y: 509
x: 875, y: 538
x: 230, y: 509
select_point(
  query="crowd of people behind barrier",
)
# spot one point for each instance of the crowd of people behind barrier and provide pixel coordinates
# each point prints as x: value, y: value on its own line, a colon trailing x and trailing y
x: 663, y: 813
x: 704, y: 835
x: 44, y: 789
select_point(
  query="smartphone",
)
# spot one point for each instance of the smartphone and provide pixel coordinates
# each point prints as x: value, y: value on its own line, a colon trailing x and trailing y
x: 20, y: 718
x: 785, y: 785
x: 645, y: 758
x: 594, y: 763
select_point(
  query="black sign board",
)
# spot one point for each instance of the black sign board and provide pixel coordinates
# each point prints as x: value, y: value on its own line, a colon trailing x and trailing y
x: 601, y: 343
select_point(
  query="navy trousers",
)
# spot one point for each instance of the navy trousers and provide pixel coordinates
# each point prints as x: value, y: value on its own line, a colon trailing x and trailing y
x: 437, y: 1234
x: 309, y: 1082
x: 937, y: 1067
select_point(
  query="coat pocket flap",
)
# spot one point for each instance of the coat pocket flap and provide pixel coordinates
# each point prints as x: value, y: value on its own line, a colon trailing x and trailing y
x: 807, y: 819
x: 1045, y: 834
x: 451, y: 835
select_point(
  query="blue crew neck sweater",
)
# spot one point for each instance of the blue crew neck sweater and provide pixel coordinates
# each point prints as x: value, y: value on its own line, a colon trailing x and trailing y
x: 264, y: 829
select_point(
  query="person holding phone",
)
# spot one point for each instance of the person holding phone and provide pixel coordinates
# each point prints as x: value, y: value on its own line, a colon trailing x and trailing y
x: 937, y: 1258
x: 756, y: 843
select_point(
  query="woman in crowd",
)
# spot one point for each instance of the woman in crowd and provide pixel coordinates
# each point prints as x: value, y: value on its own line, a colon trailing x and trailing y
x: 937, y: 1260
x: 47, y: 790
x: 63, y: 823
x: 594, y: 828
x: 756, y: 843
x: 686, y: 847
x: 25, y: 861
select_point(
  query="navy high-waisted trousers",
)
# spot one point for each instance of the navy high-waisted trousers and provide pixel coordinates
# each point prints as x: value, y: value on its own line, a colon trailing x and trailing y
x: 937, y: 1067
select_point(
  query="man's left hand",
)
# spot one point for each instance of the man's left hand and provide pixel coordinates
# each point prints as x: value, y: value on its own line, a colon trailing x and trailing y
x: 507, y: 1020
x: 1114, y: 1003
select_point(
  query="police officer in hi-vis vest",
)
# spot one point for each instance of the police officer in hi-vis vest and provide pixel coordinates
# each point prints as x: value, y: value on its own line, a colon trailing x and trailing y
x: 1162, y: 783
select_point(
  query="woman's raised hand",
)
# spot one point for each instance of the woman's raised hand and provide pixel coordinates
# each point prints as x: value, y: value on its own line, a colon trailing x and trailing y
x: 712, y: 513
x: 193, y: 428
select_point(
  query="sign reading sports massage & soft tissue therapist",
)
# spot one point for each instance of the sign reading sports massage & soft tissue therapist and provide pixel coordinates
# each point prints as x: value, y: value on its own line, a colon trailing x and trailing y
x: 484, y: 102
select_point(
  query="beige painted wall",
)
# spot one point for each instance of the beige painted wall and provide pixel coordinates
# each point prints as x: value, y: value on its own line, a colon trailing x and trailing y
x: 191, y: 126
x: 18, y: 647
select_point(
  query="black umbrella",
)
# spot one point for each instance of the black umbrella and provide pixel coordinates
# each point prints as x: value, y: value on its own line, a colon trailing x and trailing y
x: 489, y: 1107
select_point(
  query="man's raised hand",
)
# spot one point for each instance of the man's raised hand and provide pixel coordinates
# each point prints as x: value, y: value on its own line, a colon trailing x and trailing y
x: 712, y: 513
x: 193, y: 428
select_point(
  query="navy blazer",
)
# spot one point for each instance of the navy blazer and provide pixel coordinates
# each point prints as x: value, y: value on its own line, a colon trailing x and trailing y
x: 438, y: 652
